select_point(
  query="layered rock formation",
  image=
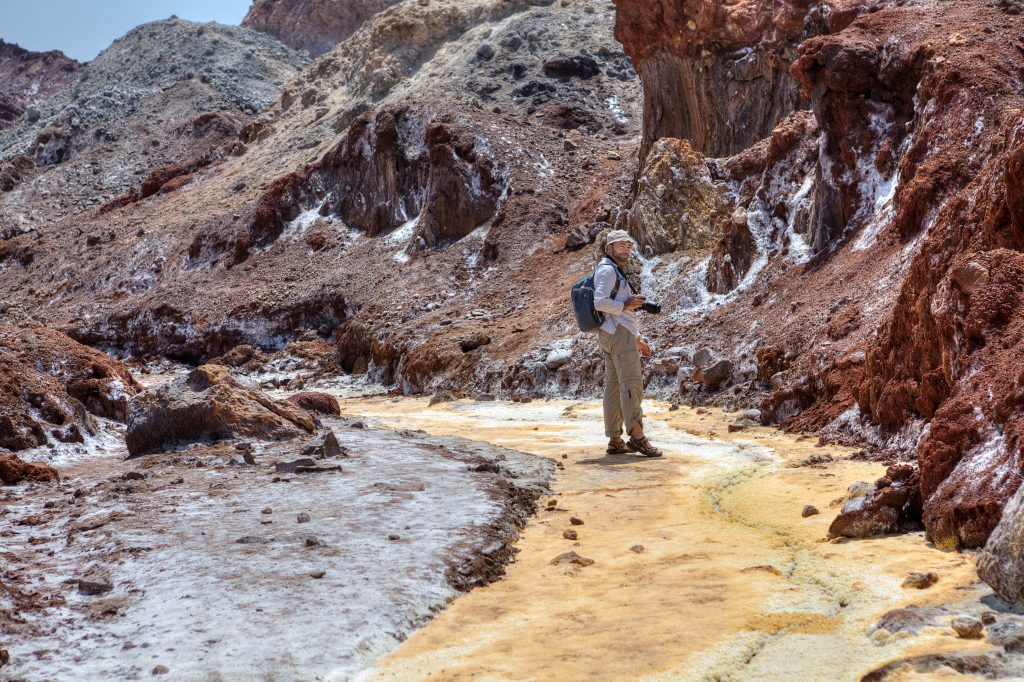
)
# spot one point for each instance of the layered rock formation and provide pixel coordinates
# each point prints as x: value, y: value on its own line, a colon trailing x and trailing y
x: 312, y: 26
x: 27, y: 78
x: 714, y: 73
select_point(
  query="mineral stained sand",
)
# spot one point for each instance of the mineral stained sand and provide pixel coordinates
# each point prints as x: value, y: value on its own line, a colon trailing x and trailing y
x: 732, y: 583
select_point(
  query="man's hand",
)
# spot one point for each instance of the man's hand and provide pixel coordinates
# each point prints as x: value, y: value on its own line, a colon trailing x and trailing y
x: 633, y: 303
x: 645, y: 350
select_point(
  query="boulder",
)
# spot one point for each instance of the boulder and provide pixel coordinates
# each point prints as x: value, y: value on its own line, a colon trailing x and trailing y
x: 13, y: 470
x: 714, y: 375
x: 208, y: 405
x: 894, y: 503
x: 315, y: 401
x: 1001, y: 562
x: 557, y: 358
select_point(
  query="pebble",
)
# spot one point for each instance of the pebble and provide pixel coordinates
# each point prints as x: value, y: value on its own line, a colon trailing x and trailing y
x: 394, y: 537
x: 574, y: 521
x: 552, y: 503
x: 318, y: 574
x: 921, y: 580
x: 315, y: 542
x: 809, y: 510
x: 96, y: 580
x: 967, y: 627
x: 988, y: 618
x: 637, y: 548
x: 268, y: 510
x: 161, y: 670
x: 303, y: 518
x: 570, y: 535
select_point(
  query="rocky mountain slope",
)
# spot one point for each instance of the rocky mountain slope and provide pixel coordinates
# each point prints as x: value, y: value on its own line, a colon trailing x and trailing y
x: 29, y: 77
x: 825, y: 195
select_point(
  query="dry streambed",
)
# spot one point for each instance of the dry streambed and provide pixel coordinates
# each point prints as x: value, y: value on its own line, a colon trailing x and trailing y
x: 210, y: 568
x: 696, y: 566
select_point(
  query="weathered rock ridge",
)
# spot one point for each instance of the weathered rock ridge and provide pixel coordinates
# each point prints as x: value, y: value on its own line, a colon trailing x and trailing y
x: 312, y: 26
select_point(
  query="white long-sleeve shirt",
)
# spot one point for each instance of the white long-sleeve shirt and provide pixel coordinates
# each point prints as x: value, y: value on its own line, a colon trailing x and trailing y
x: 614, y: 312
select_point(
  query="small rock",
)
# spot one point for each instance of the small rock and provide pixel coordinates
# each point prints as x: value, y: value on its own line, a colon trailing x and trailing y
x: 485, y: 51
x: 318, y: 574
x: 570, y: 535
x: 253, y: 540
x: 574, y: 521
x: 565, y: 456
x: 394, y: 537
x: 291, y: 467
x: 638, y: 549
x: 487, y: 467
x: 323, y: 446
x: 5, y: 657
x: 988, y: 618
x: 268, y: 510
x: 552, y: 503
x: 442, y: 396
x: 312, y: 541
x: 967, y: 627
x: 134, y: 476
x: 571, y: 558
x: 96, y: 580
x: 921, y: 581
x: 303, y: 518
x: 614, y: 156
x: 243, y: 445
x: 809, y: 510
x: 161, y: 670
x: 357, y: 425
x: 742, y: 425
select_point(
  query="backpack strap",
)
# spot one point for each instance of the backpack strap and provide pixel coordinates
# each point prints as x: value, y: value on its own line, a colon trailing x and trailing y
x: 618, y: 274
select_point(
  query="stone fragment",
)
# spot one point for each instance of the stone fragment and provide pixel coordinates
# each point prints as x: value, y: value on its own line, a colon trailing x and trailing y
x: 161, y: 670
x: 317, y: 574
x: 575, y: 521
x: 911, y: 619
x: 312, y: 541
x: 742, y: 425
x: 988, y: 618
x: 267, y: 510
x: 485, y: 51
x: 967, y: 627
x: 5, y: 657
x: 96, y: 580
x: 571, y: 558
x: 921, y: 581
x: 809, y: 510
x: 441, y: 396
x: 570, y: 535
x: 324, y: 446
x: 303, y: 517
x: 253, y: 540
x: 394, y: 537
x: 638, y: 549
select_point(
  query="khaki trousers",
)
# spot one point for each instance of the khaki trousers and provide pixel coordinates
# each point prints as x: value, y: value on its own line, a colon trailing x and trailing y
x: 623, y: 380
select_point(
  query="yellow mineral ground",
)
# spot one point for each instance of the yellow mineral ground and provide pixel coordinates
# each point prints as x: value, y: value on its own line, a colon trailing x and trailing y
x: 703, y: 566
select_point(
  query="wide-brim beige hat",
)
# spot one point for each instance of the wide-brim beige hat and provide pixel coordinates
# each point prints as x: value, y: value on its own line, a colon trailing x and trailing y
x: 619, y: 236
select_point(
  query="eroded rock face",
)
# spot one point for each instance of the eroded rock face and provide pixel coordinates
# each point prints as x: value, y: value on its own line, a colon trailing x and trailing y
x: 709, y: 73
x: 893, y: 503
x: 209, y: 404
x: 30, y: 77
x: 312, y: 26
x: 50, y: 385
x: 677, y: 206
x: 1001, y: 562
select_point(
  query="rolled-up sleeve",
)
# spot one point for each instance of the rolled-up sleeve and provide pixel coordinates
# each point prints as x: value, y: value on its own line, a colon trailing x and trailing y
x: 604, y: 282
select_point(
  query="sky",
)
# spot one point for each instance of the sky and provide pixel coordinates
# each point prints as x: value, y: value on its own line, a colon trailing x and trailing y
x: 81, y: 29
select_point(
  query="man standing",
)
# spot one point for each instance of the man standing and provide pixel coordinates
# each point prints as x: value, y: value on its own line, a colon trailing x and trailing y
x: 622, y: 346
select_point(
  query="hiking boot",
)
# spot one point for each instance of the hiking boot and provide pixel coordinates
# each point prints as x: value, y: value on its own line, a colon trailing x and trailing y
x: 617, y: 446
x: 643, y: 447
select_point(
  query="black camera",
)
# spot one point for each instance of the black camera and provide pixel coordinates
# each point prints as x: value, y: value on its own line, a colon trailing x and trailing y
x: 651, y: 307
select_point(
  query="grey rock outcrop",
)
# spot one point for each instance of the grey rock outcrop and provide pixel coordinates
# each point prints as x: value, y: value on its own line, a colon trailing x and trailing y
x: 1001, y: 562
